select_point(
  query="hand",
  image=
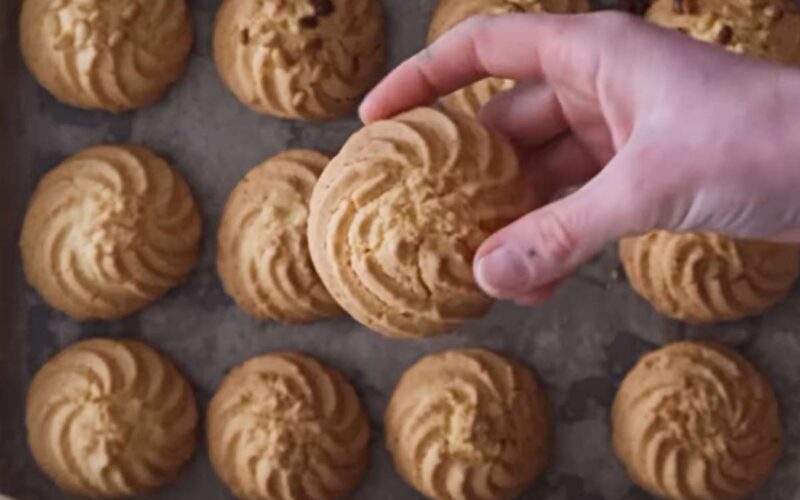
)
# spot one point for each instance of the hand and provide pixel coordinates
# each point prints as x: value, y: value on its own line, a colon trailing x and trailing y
x: 665, y: 132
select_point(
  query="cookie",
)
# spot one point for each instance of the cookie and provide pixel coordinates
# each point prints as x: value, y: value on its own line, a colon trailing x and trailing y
x: 284, y: 426
x: 114, y: 55
x: 108, y: 232
x: 398, y: 214
x: 110, y: 419
x: 262, y: 257
x: 696, y: 421
x: 450, y: 13
x: 768, y: 29
x: 706, y: 277
x: 302, y: 59
x: 469, y: 424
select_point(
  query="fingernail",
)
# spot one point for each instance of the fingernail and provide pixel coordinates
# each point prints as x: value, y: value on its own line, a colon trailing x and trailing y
x: 502, y: 271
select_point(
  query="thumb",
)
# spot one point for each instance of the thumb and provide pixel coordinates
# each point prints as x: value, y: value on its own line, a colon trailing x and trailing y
x: 547, y: 245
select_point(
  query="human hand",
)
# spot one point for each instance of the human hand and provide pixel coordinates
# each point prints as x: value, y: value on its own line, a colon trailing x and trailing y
x: 667, y: 133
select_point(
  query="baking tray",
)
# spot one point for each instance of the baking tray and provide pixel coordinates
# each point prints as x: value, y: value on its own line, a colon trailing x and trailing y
x: 581, y: 344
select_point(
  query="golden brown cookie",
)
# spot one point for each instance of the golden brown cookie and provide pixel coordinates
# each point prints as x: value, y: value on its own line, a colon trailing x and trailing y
x: 109, y: 231
x: 110, y: 419
x: 706, y: 277
x: 398, y: 214
x: 284, y: 426
x: 695, y: 421
x: 263, y: 258
x: 469, y: 424
x: 106, y: 54
x: 769, y: 29
x: 449, y: 13
x: 305, y: 59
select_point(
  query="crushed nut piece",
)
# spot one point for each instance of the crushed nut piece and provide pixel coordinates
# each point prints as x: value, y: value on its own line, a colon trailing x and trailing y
x: 309, y: 22
x: 323, y: 7
x: 725, y: 35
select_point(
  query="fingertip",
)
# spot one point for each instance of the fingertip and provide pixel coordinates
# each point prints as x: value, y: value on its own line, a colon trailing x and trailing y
x: 366, y: 110
x: 503, y: 272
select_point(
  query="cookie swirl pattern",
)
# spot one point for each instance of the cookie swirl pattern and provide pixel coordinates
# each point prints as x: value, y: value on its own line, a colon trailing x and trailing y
x: 108, y: 419
x: 106, y: 54
x: 397, y: 216
x: 706, y: 277
x: 472, y: 98
x: 263, y: 255
x: 469, y: 424
x: 284, y: 426
x: 696, y: 421
x: 299, y: 58
x: 109, y: 231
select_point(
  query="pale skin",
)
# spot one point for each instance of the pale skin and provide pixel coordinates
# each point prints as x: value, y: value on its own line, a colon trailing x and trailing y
x: 661, y: 132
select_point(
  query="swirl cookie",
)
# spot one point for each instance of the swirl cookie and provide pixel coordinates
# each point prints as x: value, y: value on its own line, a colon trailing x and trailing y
x: 284, y: 426
x: 305, y: 59
x: 696, y: 421
x: 469, y: 424
x: 114, y: 55
x: 263, y: 258
x: 769, y: 29
x: 706, y: 277
x: 109, y: 231
x: 450, y: 13
x: 397, y: 216
x: 110, y: 419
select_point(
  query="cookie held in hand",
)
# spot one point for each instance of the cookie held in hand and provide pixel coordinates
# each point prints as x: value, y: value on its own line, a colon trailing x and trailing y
x: 398, y: 214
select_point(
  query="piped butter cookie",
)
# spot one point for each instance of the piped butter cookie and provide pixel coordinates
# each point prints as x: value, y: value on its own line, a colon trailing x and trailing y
x: 768, y: 29
x: 284, y: 426
x: 262, y: 256
x: 707, y: 277
x: 450, y: 13
x: 695, y: 420
x: 469, y: 424
x: 111, y: 419
x: 113, y: 55
x: 108, y: 232
x: 303, y: 59
x: 397, y: 215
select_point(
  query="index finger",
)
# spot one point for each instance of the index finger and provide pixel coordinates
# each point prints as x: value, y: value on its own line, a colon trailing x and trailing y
x: 508, y: 46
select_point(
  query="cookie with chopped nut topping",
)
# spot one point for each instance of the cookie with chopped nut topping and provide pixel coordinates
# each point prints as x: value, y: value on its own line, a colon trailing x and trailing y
x: 301, y: 59
x: 767, y: 29
x: 114, y: 55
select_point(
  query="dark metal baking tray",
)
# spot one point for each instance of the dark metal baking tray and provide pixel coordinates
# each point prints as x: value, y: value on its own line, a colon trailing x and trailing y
x: 581, y: 344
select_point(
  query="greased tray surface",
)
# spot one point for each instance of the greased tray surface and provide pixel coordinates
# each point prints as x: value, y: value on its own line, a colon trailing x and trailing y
x: 581, y: 344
